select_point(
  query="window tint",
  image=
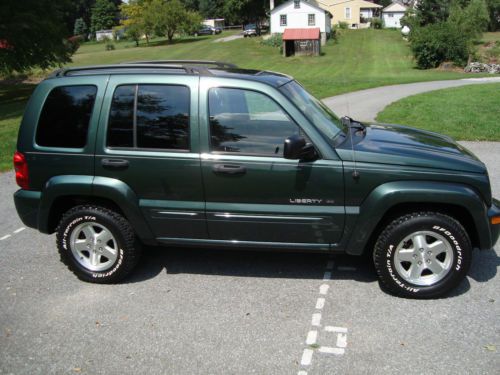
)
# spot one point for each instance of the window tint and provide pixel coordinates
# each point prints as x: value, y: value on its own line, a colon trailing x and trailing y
x: 65, y: 117
x: 158, y: 116
x: 121, y: 117
x: 247, y: 122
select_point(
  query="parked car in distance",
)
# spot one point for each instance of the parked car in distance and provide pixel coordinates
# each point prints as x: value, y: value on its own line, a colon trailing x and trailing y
x: 207, y: 30
x: 201, y: 153
x: 251, y: 30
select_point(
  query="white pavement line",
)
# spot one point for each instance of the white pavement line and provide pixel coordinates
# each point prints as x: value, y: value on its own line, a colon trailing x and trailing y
x: 302, y: 372
x: 323, y: 289
x: 346, y: 268
x: 341, y: 340
x: 312, y: 337
x: 5, y: 237
x: 320, y: 303
x: 316, y: 319
x: 19, y: 230
x: 327, y: 275
x: 329, y: 265
x: 329, y: 350
x: 336, y: 329
x: 306, y: 357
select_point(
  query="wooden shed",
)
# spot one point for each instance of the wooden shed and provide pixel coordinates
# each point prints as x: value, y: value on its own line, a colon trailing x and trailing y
x: 301, y: 42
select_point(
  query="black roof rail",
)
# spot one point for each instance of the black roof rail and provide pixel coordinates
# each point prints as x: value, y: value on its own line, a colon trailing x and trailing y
x: 106, y: 68
x: 218, y: 64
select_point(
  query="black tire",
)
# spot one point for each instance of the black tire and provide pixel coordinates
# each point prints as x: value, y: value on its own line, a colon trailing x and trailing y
x: 393, y: 275
x: 127, y: 248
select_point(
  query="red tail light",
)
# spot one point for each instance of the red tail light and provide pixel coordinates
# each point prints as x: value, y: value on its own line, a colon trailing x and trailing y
x: 21, y: 167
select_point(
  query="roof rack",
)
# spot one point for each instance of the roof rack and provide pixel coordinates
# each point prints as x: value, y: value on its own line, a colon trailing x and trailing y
x: 188, y: 66
x: 218, y: 64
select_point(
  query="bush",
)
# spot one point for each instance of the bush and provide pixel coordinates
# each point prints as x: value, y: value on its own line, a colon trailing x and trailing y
x: 275, y: 40
x: 110, y: 46
x: 343, y: 25
x: 436, y: 43
x: 73, y: 43
x: 376, y: 23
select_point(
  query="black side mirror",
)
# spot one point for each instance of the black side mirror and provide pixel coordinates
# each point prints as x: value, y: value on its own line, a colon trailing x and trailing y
x: 296, y: 148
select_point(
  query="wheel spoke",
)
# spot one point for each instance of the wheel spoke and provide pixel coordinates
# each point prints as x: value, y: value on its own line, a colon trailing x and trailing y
x: 105, y: 236
x: 109, y: 253
x: 81, y: 245
x: 435, y: 266
x: 415, y: 271
x: 437, y: 247
x: 94, y: 258
x: 89, y: 232
x: 419, y: 241
x: 405, y: 255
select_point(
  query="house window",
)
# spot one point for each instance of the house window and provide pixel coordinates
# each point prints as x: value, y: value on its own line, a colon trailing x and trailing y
x: 296, y: 4
x: 283, y: 20
x: 311, y: 19
x: 390, y: 15
x: 348, y: 13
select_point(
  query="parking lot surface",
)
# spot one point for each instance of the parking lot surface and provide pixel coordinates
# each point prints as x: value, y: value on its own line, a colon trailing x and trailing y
x: 192, y: 311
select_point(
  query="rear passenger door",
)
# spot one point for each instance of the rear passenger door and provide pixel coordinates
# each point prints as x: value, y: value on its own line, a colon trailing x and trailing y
x: 148, y: 138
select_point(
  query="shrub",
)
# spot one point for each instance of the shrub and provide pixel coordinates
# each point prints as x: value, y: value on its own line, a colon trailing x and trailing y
x: 73, y: 43
x: 376, y: 23
x: 109, y: 46
x: 343, y: 25
x: 436, y: 43
x: 275, y: 40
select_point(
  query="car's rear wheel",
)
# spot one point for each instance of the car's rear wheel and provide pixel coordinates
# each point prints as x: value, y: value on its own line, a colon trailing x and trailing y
x: 97, y: 244
x: 422, y: 255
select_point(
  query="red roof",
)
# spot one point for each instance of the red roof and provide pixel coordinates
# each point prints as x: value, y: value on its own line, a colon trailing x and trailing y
x: 301, y: 34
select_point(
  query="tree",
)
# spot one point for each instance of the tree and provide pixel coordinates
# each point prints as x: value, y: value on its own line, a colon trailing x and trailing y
x: 32, y: 34
x: 432, y: 11
x: 494, y: 11
x: 103, y: 15
x: 211, y: 8
x: 241, y: 11
x: 134, y: 21
x: 169, y: 17
x: 472, y: 20
x: 80, y: 27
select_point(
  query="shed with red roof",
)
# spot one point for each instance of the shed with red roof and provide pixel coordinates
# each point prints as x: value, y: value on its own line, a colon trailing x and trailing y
x: 302, y: 42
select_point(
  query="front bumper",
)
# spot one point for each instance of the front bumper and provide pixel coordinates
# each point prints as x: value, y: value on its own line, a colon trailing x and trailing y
x: 493, y: 211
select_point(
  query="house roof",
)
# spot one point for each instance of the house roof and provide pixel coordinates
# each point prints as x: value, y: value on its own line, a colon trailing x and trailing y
x: 395, y: 7
x: 301, y: 34
x: 312, y: 5
x: 361, y: 3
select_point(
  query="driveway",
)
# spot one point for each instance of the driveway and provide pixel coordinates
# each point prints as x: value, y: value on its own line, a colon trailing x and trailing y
x: 364, y: 105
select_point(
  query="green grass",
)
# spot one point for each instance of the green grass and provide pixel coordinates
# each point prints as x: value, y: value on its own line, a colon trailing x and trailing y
x: 465, y: 113
x: 12, y: 101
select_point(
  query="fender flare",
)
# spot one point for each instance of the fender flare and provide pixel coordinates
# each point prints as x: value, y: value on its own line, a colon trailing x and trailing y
x: 388, y: 195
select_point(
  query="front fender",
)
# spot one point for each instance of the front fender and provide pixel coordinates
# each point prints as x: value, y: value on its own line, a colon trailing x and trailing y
x: 387, y: 196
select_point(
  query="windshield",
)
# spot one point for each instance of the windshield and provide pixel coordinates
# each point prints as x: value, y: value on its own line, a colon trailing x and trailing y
x: 315, y: 111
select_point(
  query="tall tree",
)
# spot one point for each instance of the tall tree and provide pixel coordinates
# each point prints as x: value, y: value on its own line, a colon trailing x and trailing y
x: 494, y: 11
x: 104, y: 15
x: 29, y: 39
x: 80, y: 27
x: 211, y: 8
x: 136, y: 25
x: 432, y: 11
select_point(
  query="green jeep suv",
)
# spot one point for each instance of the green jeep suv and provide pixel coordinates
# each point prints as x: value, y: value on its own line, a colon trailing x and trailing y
x: 203, y: 153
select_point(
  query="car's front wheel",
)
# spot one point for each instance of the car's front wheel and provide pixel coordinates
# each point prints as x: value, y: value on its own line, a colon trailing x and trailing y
x: 97, y: 244
x: 422, y: 255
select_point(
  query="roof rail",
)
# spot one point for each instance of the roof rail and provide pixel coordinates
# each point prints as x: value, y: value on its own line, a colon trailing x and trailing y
x: 106, y: 68
x: 218, y: 64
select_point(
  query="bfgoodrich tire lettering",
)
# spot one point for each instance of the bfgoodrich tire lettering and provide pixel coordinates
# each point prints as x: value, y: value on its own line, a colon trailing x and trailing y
x: 422, y: 255
x: 107, y: 262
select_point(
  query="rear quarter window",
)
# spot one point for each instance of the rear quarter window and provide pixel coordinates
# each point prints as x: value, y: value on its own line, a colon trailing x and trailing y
x: 65, y: 117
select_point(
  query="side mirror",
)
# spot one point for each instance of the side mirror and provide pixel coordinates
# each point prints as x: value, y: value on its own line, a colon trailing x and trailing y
x: 296, y: 148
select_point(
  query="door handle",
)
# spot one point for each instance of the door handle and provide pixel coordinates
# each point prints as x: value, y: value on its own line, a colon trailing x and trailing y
x: 115, y: 163
x: 230, y: 169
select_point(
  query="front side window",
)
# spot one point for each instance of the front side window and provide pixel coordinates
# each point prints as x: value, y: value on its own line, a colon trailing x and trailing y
x: 283, y: 20
x: 149, y: 116
x: 311, y: 19
x: 247, y: 122
x: 65, y: 117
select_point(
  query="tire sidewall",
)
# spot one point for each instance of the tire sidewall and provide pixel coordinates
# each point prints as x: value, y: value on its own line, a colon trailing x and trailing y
x: 67, y: 227
x: 461, y: 255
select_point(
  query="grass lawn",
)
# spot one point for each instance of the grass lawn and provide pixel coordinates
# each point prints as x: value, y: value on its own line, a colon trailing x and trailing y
x: 465, y: 113
x: 360, y: 59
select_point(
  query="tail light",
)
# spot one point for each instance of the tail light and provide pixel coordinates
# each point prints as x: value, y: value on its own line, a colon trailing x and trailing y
x: 21, y: 168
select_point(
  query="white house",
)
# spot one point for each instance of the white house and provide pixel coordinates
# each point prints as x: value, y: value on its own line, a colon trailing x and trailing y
x: 214, y: 22
x: 300, y: 15
x: 392, y: 14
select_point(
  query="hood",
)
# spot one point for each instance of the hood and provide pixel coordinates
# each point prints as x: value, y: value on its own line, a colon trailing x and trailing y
x: 396, y: 144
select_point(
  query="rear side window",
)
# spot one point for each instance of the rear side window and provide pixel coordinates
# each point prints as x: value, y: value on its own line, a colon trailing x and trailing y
x: 65, y: 117
x: 150, y: 117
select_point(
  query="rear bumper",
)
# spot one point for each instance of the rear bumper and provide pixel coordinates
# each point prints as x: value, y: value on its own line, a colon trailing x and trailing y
x: 27, y: 205
x: 494, y: 210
